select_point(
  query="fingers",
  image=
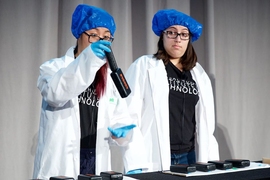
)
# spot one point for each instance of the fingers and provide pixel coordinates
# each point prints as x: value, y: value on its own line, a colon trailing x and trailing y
x: 131, y: 126
x: 99, y: 47
x: 110, y: 129
x: 122, y: 131
x: 128, y: 127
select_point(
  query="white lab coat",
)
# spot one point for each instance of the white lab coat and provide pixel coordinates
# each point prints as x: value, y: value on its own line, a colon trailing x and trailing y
x: 61, y: 80
x: 148, y: 104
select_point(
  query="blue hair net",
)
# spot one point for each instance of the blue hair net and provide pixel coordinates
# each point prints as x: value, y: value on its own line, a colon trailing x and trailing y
x: 169, y: 17
x: 87, y: 17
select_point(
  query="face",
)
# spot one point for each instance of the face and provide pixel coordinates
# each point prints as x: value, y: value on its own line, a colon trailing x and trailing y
x: 91, y: 36
x: 176, y: 47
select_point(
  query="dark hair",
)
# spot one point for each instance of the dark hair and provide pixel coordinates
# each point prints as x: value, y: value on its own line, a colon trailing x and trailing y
x: 100, y: 78
x: 188, y: 60
x: 75, y: 49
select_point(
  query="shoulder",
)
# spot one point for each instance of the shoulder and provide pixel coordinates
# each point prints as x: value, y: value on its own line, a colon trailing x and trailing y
x: 198, y: 69
x: 144, y: 59
x: 199, y: 74
x: 60, y: 61
x: 147, y: 61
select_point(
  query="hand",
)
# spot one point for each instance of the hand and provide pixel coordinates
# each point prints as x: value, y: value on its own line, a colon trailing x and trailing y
x: 135, y: 171
x: 99, y: 47
x: 122, y: 131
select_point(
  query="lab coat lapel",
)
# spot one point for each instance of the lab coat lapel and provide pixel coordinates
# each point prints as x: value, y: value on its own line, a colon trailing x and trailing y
x: 160, y: 92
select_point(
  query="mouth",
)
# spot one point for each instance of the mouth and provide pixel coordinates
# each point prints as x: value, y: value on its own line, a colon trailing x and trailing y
x: 177, y: 46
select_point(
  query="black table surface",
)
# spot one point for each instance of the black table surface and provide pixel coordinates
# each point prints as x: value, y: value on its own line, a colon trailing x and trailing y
x: 240, y: 175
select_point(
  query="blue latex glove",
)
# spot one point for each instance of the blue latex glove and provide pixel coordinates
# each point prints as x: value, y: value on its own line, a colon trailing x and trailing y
x: 99, y: 47
x: 122, y: 131
x: 135, y: 171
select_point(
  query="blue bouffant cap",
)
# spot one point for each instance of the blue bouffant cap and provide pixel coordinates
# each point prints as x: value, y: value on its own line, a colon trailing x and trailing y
x: 87, y: 17
x: 169, y: 17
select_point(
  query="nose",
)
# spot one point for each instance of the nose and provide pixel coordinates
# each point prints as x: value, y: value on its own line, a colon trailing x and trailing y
x: 177, y: 38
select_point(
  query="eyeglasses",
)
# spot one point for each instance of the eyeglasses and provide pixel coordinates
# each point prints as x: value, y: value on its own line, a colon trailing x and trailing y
x: 94, y: 37
x: 173, y: 35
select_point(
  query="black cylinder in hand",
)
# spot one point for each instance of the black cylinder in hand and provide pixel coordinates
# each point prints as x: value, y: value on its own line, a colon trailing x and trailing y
x: 118, y: 76
x: 111, y: 60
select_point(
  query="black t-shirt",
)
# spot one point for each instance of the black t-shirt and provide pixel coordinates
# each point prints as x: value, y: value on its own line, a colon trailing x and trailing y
x: 88, y: 103
x: 183, y: 97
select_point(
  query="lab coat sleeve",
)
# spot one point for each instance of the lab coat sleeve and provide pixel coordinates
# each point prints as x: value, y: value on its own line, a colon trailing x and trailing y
x: 129, y: 106
x: 134, y: 156
x: 120, y: 118
x: 213, y: 153
x: 133, y: 152
x: 208, y: 146
x: 136, y: 81
x: 62, y: 79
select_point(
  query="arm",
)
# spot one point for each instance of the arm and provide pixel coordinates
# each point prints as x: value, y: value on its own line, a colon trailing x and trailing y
x: 213, y: 153
x: 205, y: 115
x: 134, y: 157
x: 136, y: 81
x: 65, y: 78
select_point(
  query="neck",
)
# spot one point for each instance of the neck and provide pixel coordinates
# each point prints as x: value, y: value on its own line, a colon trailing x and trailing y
x: 177, y: 63
x: 77, y: 53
